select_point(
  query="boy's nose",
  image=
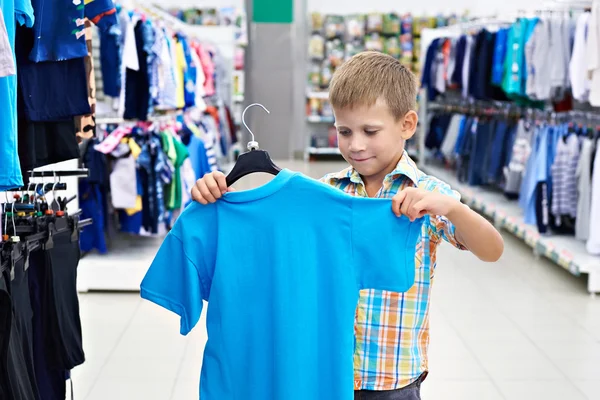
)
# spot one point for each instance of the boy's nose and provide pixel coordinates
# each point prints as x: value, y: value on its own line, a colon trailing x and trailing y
x: 357, y: 145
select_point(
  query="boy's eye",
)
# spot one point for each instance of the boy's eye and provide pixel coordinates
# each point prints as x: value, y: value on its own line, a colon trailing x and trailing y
x: 371, y: 132
x: 344, y: 133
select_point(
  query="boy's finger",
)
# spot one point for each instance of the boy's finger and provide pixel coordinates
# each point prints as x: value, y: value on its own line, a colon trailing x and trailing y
x: 205, y: 192
x: 213, y: 186
x: 397, y: 201
x: 419, y: 208
x: 405, y: 208
x: 196, y: 196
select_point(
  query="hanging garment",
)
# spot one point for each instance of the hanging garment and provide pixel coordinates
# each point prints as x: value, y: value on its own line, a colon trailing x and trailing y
x: 51, y: 382
x: 564, y: 177
x: 137, y: 82
x: 44, y: 143
x: 593, y: 243
x: 123, y: 183
x: 499, y: 56
x: 520, y: 153
x: 578, y: 74
x: 7, y: 61
x: 19, y: 384
x: 280, y: 342
x: 14, y: 12
x: 584, y: 190
x: 111, y: 55
x: 60, y: 27
x: 85, y: 125
x: 593, y: 54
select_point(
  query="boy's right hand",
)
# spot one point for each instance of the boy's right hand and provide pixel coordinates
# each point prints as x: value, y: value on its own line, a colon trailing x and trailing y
x: 210, y: 188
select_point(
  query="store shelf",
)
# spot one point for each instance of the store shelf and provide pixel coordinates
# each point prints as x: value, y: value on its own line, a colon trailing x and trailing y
x: 317, y: 95
x: 565, y: 251
x: 324, y: 150
x: 317, y: 119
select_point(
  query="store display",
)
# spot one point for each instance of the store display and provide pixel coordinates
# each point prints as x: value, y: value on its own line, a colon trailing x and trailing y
x: 336, y: 38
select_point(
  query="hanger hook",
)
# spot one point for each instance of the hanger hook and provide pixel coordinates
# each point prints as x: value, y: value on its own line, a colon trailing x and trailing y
x: 253, y: 144
x: 56, y: 182
x: 13, y: 219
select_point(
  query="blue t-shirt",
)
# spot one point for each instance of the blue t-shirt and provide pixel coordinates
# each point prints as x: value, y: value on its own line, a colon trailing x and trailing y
x: 14, y: 11
x: 281, y: 267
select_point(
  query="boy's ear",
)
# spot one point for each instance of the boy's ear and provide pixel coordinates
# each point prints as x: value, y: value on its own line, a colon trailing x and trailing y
x: 409, y: 124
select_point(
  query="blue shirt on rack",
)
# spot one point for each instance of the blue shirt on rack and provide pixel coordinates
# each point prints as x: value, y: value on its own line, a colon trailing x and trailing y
x: 281, y: 267
x: 14, y: 11
x: 60, y: 31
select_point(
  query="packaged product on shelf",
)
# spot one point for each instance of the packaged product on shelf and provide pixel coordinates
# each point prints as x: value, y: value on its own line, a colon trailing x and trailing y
x: 326, y: 109
x: 317, y: 21
x: 355, y: 27
x: 354, y: 47
x: 335, y: 52
x: 332, y: 134
x: 316, y: 47
x: 326, y: 73
x: 375, y: 23
x: 314, y: 76
x: 334, y: 26
x: 391, y: 24
x: 314, y: 107
x: 392, y: 47
x: 374, y: 42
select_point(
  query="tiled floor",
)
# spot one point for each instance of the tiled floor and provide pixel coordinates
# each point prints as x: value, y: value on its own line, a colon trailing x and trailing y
x: 519, y: 329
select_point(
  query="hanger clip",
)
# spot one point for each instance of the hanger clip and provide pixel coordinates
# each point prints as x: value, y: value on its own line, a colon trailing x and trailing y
x: 50, y: 242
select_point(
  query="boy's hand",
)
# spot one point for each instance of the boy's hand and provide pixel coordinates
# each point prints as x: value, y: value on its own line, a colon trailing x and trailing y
x: 416, y: 203
x: 210, y: 188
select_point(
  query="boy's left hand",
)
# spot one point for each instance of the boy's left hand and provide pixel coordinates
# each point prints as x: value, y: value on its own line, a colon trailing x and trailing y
x: 416, y: 203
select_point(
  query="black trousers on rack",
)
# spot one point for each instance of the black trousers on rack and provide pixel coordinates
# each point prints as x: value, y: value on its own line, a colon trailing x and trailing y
x: 17, y: 377
x: 57, y: 325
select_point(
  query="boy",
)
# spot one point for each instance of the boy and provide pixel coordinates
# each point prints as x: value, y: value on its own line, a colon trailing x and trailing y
x: 373, y: 98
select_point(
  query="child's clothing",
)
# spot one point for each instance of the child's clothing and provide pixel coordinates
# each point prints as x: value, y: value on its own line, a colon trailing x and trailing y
x: 392, y: 329
x: 410, y: 392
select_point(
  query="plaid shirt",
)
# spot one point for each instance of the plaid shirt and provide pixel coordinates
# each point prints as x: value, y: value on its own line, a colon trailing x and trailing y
x: 392, y: 329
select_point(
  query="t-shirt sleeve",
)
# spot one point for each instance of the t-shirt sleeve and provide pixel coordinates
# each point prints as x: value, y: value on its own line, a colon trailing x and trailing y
x: 383, y: 246
x: 102, y: 13
x: 180, y: 276
x: 24, y: 13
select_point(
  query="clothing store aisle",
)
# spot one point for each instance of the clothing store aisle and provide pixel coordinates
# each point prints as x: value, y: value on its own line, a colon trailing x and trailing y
x: 518, y: 329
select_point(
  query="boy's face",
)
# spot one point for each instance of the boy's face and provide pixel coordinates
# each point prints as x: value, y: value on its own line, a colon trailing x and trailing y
x: 371, y: 140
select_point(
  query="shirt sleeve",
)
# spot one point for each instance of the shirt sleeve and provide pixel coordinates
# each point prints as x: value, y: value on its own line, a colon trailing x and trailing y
x: 440, y: 226
x: 383, y: 246
x: 24, y: 13
x: 102, y: 13
x: 180, y: 276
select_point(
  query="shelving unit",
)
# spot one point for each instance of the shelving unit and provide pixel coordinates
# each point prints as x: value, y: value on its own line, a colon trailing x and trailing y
x: 566, y: 251
x: 317, y: 119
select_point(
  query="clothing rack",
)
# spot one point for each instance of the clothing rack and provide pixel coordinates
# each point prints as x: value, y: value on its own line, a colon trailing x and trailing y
x: 79, y: 173
x: 565, y: 251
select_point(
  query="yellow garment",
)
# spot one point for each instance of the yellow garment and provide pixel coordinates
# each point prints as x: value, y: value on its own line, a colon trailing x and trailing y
x: 135, y: 152
x: 180, y: 68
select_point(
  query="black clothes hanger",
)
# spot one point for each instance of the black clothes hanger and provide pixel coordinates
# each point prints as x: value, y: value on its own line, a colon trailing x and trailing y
x: 255, y: 160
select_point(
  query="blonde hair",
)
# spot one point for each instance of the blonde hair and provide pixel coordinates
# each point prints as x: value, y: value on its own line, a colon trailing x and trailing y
x: 369, y: 76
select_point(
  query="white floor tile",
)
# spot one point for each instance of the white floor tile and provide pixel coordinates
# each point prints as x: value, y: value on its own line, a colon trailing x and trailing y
x: 459, y: 390
x: 186, y: 390
x: 129, y: 389
x: 546, y: 390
